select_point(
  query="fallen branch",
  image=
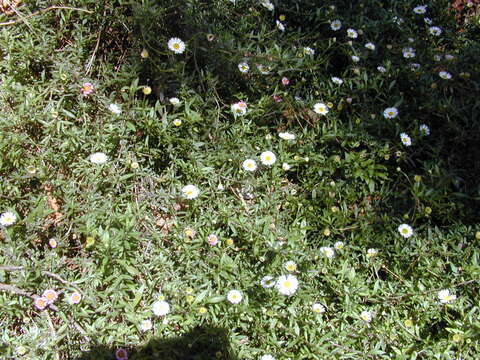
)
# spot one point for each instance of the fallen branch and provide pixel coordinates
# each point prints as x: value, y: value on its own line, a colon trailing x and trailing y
x: 42, y: 11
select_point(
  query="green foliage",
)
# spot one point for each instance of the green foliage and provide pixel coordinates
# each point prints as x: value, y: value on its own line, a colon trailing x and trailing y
x: 126, y: 235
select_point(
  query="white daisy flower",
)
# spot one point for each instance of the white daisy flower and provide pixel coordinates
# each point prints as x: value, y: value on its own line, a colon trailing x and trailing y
x: 267, y: 357
x: 437, y: 57
x: 414, y: 66
x: 366, y: 316
x: 308, y: 51
x: 290, y: 266
x: 427, y: 20
x: 372, y: 253
x: 267, y: 282
x: 267, y: 4
x: 146, y: 325
x: 381, y: 69
x: 339, y: 245
x: 337, y: 80
x: 174, y: 101
x: 327, y: 251
x: 424, y: 130
x: 234, y: 296
x: 8, y: 218
x: 176, y: 45
x: 286, y: 166
x: 161, y: 308
x: 449, y: 57
x: 239, y: 108
x: 268, y: 158
x: 280, y: 26
x: 264, y: 70
x: 336, y: 25
x: 243, y: 67
x: 390, y: 113
x: 320, y: 108
x: 370, y: 46
x: 355, y: 58
x: 445, y: 75
x: 114, y: 108
x: 318, y: 308
x: 406, y: 140
x: 98, y: 158
x: 445, y: 297
x: 420, y: 9
x: 286, y: 136
x: 287, y: 285
x: 405, y: 230
x: 190, y: 191
x: 435, y: 30
x: 408, y: 53
x: 351, y: 33
x: 249, y: 165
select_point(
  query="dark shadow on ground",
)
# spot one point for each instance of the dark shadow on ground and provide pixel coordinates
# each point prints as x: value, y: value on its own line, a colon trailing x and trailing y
x: 198, y: 344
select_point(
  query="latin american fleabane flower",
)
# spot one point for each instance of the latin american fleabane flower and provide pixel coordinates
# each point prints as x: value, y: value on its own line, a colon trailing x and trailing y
x: 234, y: 296
x: 161, y: 308
x: 445, y: 297
x: 75, y: 297
x: 176, y: 45
x: 435, y: 30
x: 239, y: 108
x: 405, y: 230
x: 286, y: 136
x: 390, y: 113
x: 335, y: 25
x: 408, y: 53
x: 351, y: 33
x: 190, y: 191
x: 243, y: 67
x: 327, y: 251
x: 121, y: 354
x: 267, y: 357
x: 372, y: 253
x: 268, y: 158
x: 406, y: 140
x: 424, y: 130
x: 366, y: 316
x: 51, y: 295
x: 445, y: 75
x: 267, y: 282
x: 86, y: 89
x: 98, y: 158
x: 337, y: 80
x: 370, y: 46
x: 420, y: 9
x: 114, y: 108
x: 249, y: 165
x: 308, y: 51
x: 318, y: 308
x: 290, y: 266
x: 320, y: 108
x: 7, y: 218
x: 287, y: 285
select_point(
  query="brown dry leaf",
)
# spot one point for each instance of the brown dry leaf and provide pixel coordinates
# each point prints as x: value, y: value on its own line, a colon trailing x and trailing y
x: 165, y: 224
x: 55, y: 217
x: 7, y: 6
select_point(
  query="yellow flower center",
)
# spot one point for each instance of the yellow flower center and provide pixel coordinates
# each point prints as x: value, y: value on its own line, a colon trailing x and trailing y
x: 176, y: 46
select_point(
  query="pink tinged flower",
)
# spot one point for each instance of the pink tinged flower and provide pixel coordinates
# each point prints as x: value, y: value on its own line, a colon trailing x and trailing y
x: 40, y: 303
x: 212, y: 239
x: 121, y: 354
x: 277, y: 98
x: 53, y: 243
x: 75, y: 298
x: 86, y: 89
x: 50, y: 295
x: 285, y: 81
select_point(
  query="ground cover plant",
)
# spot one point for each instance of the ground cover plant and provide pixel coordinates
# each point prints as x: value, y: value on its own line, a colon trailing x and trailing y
x: 244, y: 179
